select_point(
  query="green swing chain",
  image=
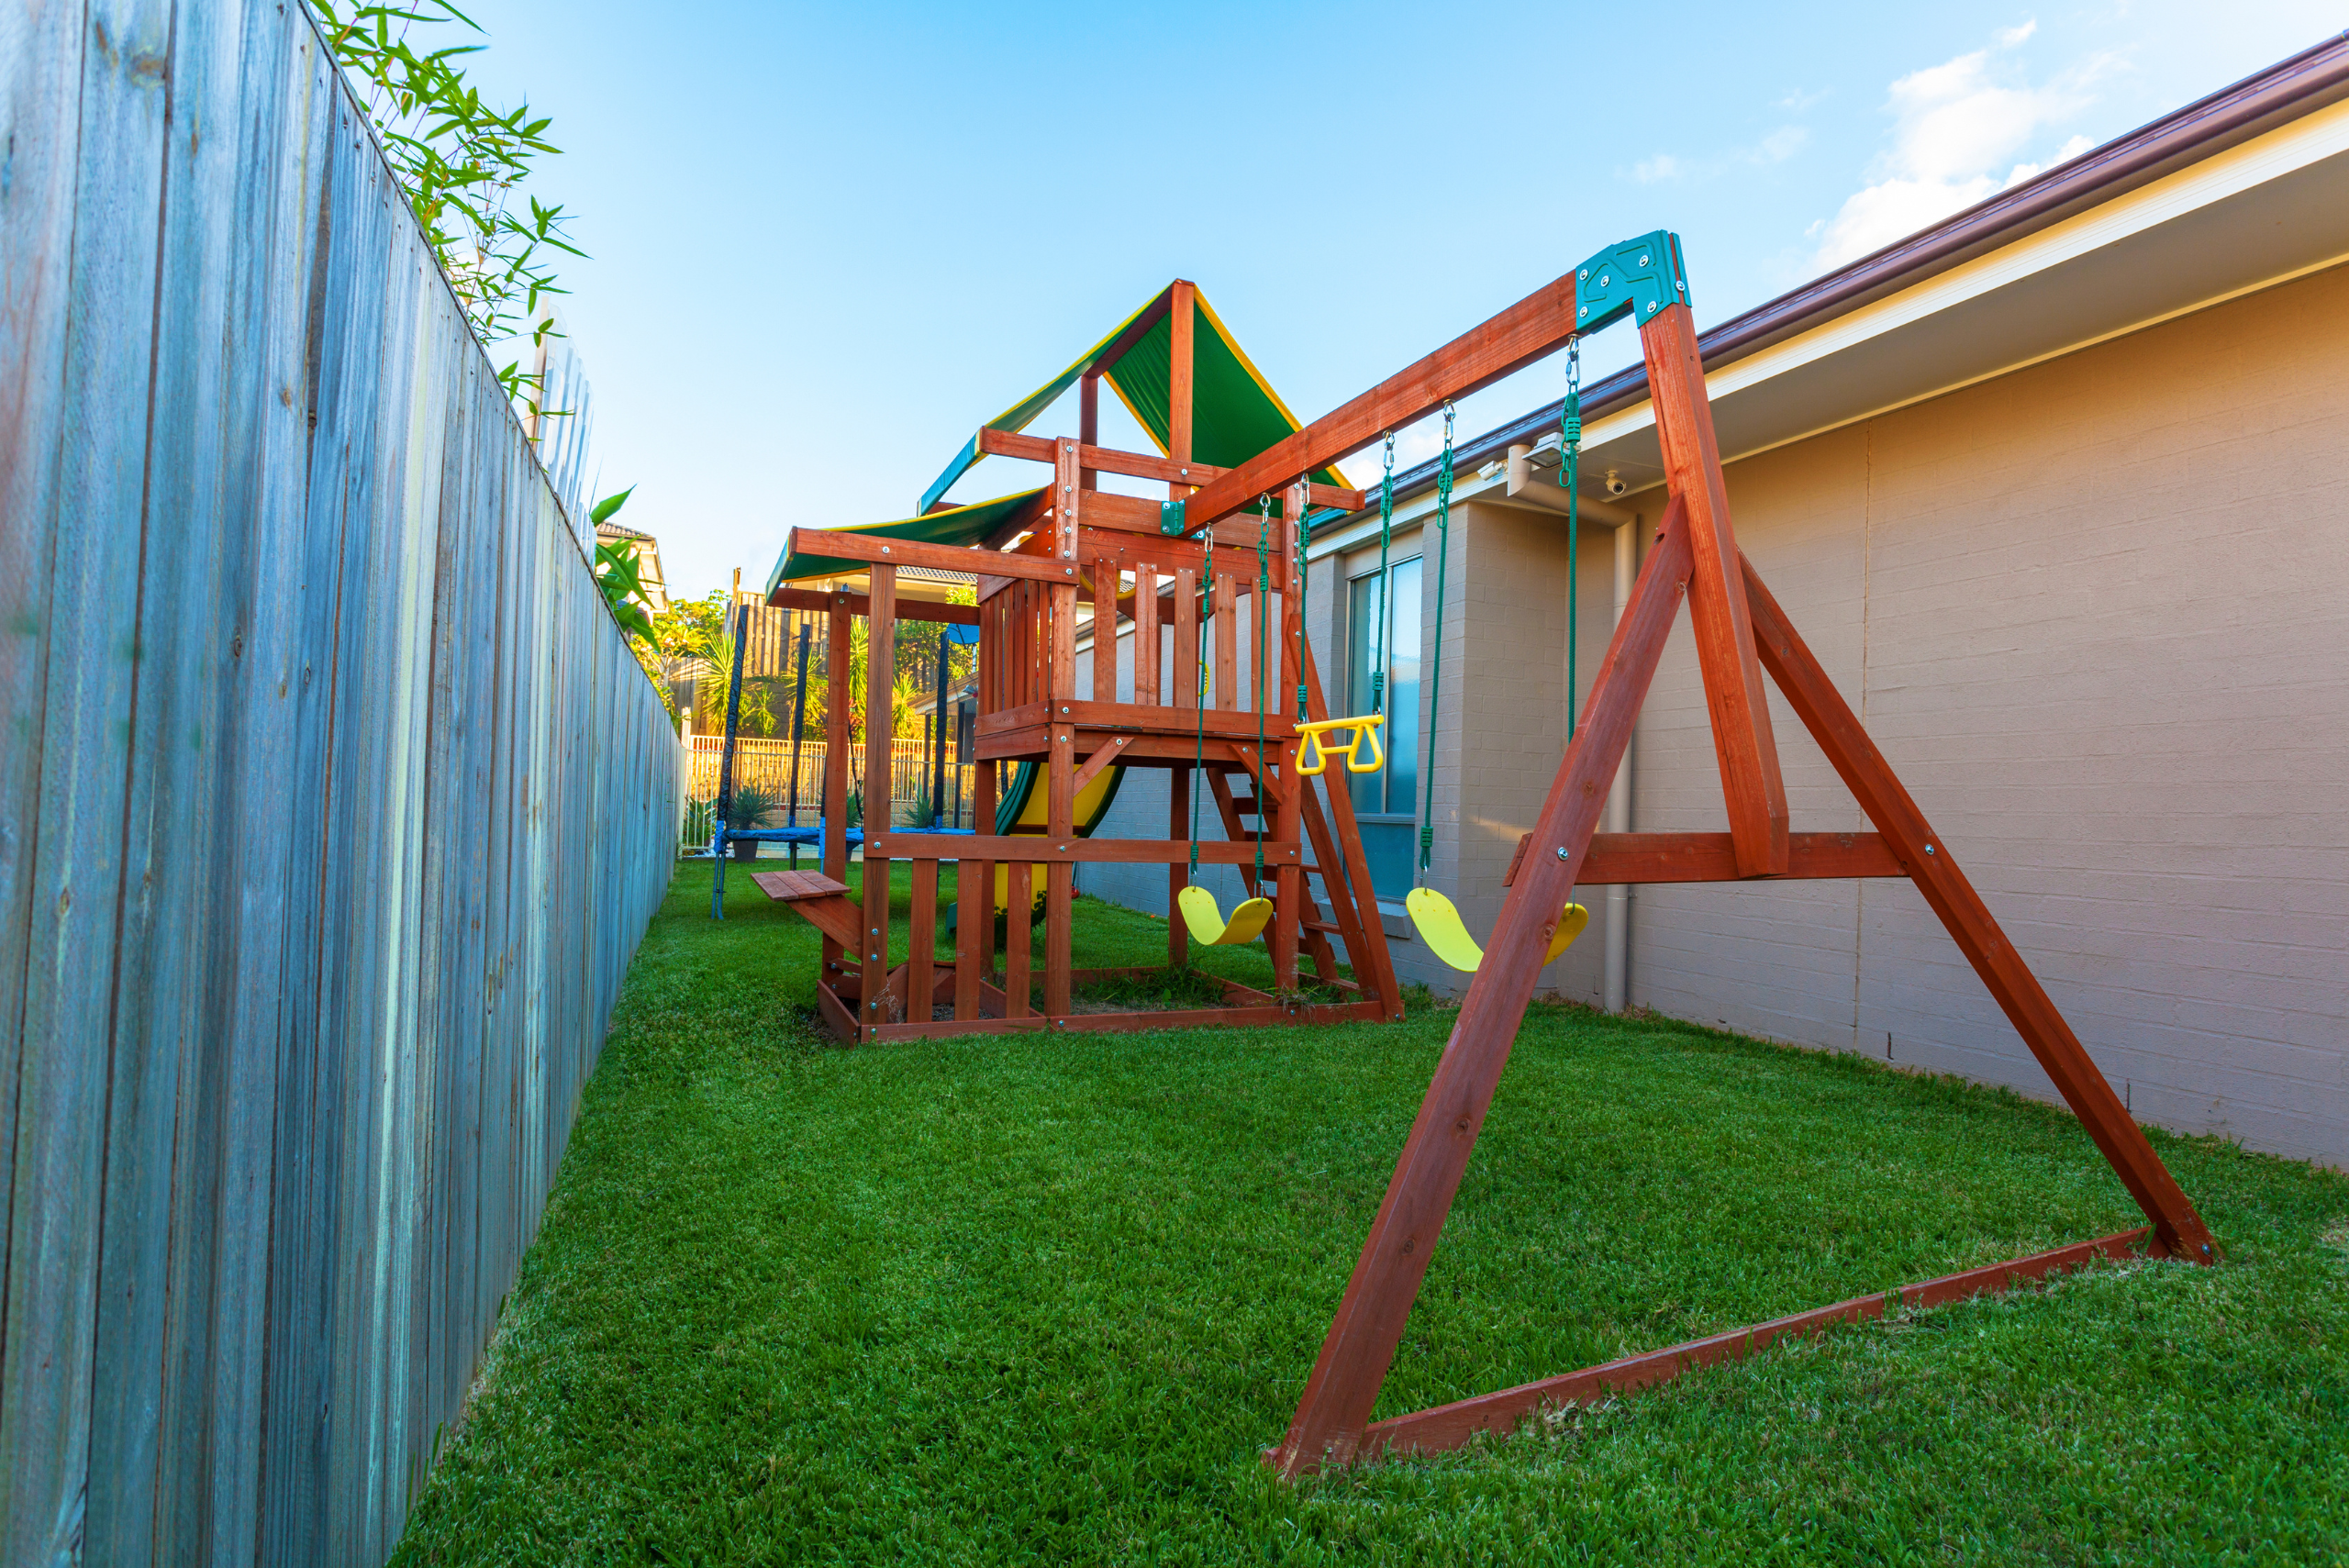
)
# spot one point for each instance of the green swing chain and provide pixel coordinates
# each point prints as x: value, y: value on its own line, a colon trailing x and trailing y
x: 1385, y: 539
x: 1199, y: 742
x: 1435, y: 662
x: 1303, y: 530
x: 1257, y: 659
x: 1569, y: 465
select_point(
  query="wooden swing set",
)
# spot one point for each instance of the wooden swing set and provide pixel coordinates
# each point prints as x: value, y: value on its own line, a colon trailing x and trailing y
x: 1082, y: 540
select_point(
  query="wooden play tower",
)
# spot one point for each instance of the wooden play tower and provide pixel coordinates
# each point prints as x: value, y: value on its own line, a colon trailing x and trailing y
x: 1218, y: 613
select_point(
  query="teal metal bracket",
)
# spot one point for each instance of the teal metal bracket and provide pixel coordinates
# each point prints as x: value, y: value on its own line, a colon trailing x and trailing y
x: 1170, y: 519
x: 1637, y: 278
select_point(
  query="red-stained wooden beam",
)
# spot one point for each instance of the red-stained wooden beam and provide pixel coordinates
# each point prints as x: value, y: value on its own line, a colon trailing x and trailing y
x: 1045, y: 848
x: 1508, y: 341
x: 1734, y: 697
x: 1182, y: 338
x: 1615, y: 858
x: 1088, y: 419
x: 2028, y: 1006
x: 1452, y: 1425
x: 1370, y: 1318
x: 860, y: 605
x: 879, y: 551
x: 1143, y: 465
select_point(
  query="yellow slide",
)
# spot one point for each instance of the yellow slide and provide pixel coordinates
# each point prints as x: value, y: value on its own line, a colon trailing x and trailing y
x: 1025, y: 807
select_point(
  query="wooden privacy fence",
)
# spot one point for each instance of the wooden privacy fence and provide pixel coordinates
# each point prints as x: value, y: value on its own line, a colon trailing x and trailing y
x: 767, y: 763
x: 331, y: 807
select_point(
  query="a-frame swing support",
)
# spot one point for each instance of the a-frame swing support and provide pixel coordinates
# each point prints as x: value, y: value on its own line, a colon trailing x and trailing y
x: 1741, y: 633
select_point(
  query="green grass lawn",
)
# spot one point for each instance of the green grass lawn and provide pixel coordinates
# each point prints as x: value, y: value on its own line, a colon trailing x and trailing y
x: 1043, y: 1298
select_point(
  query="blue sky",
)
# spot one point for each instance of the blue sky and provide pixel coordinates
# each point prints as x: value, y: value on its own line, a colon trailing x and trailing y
x: 828, y: 241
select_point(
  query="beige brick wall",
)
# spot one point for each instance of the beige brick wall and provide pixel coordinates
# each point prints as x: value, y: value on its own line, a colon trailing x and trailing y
x: 2096, y: 614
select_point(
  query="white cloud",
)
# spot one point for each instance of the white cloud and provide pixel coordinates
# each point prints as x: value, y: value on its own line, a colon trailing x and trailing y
x: 1414, y: 444
x: 1957, y: 127
x: 1798, y: 101
x: 1775, y: 148
x: 1779, y: 146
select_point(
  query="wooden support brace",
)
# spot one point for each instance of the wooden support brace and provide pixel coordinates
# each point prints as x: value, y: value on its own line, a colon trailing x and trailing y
x: 1451, y: 1426
x: 2177, y: 1226
x: 1733, y: 692
x: 1360, y: 1347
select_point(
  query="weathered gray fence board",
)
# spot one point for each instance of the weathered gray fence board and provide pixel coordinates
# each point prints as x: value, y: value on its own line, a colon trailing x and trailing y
x: 331, y: 807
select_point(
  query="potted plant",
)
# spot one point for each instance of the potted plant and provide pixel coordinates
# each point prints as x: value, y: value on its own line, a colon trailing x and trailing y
x: 749, y: 808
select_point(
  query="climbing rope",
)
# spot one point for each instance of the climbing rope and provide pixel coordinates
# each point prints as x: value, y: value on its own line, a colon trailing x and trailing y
x: 1435, y: 662
x: 1569, y: 464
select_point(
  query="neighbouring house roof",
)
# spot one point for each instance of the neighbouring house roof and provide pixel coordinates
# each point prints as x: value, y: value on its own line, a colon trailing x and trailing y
x: 648, y: 556
x: 2237, y: 190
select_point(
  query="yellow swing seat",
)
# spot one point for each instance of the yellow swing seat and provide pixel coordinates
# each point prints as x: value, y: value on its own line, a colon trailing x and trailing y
x: 1316, y: 747
x: 1447, y: 937
x: 1206, y: 922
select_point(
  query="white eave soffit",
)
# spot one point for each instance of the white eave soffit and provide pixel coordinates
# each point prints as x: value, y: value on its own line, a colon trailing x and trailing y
x: 2246, y: 218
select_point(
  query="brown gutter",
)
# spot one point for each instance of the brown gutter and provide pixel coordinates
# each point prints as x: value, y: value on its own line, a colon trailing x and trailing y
x: 2285, y: 90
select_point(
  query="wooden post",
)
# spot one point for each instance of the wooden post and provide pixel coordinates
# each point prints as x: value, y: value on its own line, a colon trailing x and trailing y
x: 1146, y: 634
x: 1733, y: 694
x: 1105, y: 631
x: 880, y: 684
x: 1088, y: 430
x: 1018, y: 936
x: 837, y: 697
x: 2177, y: 1226
x: 1186, y: 673
x: 1178, y: 875
x: 1369, y: 1324
x: 1223, y: 687
x: 975, y: 879
x: 1059, y: 690
x: 921, y: 945
x: 1182, y: 360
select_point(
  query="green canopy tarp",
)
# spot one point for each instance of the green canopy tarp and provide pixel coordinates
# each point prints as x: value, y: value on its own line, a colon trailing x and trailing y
x: 1235, y: 414
x: 958, y: 526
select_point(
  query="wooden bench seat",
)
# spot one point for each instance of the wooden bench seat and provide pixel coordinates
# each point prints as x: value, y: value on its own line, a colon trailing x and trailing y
x: 822, y: 901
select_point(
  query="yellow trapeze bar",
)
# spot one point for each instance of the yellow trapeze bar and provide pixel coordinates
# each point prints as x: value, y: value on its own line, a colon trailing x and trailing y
x: 1315, y: 749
